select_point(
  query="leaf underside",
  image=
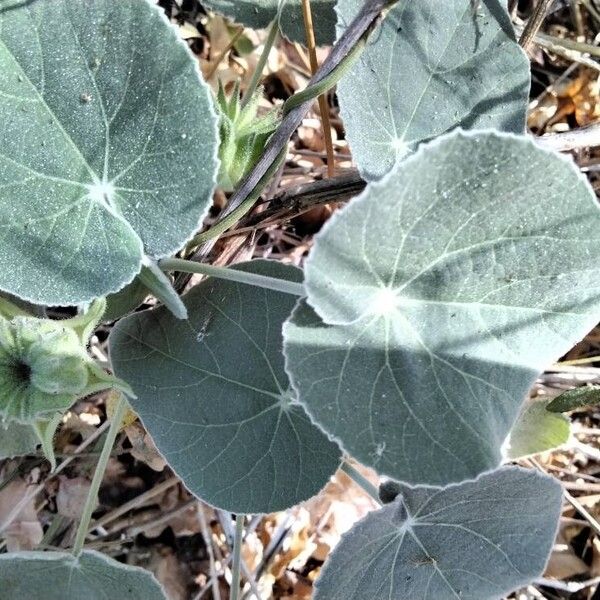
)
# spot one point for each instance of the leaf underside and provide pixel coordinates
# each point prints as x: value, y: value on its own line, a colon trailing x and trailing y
x: 537, y: 430
x: 17, y: 439
x: 474, y: 541
x: 61, y: 576
x: 107, y: 149
x: 437, y: 296
x: 430, y: 67
x: 259, y: 13
x: 213, y: 394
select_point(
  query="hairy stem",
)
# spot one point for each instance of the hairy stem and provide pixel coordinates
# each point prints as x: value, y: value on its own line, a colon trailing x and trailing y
x: 237, y: 558
x: 361, y: 481
x: 263, y: 281
x: 92, y: 497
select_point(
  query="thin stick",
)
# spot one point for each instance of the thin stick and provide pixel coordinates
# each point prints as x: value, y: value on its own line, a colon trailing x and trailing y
x: 583, y: 511
x: 208, y: 542
x: 272, y: 37
x: 314, y: 66
x: 92, y: 497
x: 534, y: 23
x: 237, y: 558
x: 361, y: 481
x: 137, y: 501
x: 583, y: 137
x: 263, y: 281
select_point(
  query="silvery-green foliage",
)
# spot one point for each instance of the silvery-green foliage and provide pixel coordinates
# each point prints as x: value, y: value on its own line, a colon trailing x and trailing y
x: 437, y: 296
x: 17, y: 439
x: 62, y: 576
x: 430, y: 67
x: 473, y: 541
x: 213, y: 393
x: 108, y: 145
x: 259, y: 13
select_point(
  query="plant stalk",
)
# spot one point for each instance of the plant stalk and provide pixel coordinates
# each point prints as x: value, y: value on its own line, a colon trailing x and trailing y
x: 272, y: 37
x: 92, y: 497
x: 356, y: 34
x: 263, y: 281
x: 361, y: 481
x: 237, y: 558
x: 232, y: 218
x: 534, y: 23
x: 314, y: 67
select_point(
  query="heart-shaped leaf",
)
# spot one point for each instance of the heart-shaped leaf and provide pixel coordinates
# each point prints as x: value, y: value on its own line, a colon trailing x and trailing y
x: 437, y: 297
x: 61, y: 576
x: 259, y: 13
x: 474, y: 541
x: 213, y: 393
x: 431, y: 67
x: 108, y: 146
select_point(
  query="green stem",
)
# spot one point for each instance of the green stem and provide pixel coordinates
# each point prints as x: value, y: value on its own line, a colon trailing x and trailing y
x: 263, y: 281
x: 262, y: 61
x: 361, y: 481
x: 92, y: 497
x: 232, y: 218
x: 312, y: 92
x: 234, y: 594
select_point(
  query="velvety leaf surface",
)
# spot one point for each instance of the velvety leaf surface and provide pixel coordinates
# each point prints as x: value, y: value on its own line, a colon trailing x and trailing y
x: 437, y: 296
x: 431, y: 66
x: 574, y: 399
x: 107, y: 148
x: 474, y: 541
x: 259, y: 13
x: 17, y: 440
x: 213, y: 394
x: 61, y: 576
x: 537, y: 430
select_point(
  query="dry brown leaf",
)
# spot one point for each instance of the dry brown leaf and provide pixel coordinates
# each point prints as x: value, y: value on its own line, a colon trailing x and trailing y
x: 564, y: 564
x: 143, y: 448
x: 71, y: 496
x: 168, y: 570
x: 25, y: 532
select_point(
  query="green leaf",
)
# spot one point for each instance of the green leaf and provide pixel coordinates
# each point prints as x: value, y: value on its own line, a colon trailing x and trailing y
x: 17, y: 440
x: 259, y: 13
x: 474, y: 541
x: 108, y: 147
x: 574, y: 399
x: 61, y: 576
x: 125, y: 301
x: 161, y: 287
x: 537, y: 430
x: 214, y: 396
x: 437, y: 297
x: 431, y: 66
x: 45, y: 431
